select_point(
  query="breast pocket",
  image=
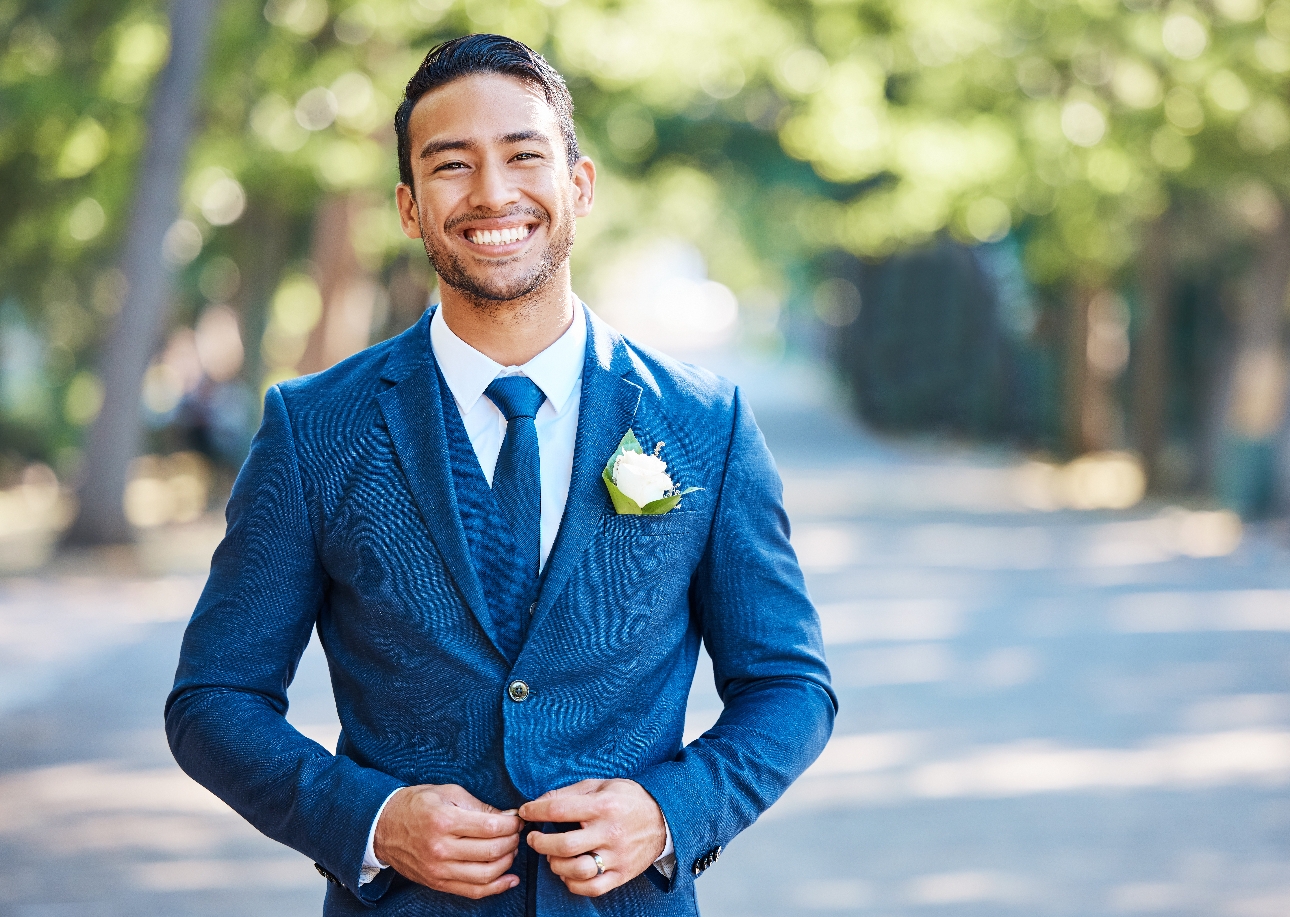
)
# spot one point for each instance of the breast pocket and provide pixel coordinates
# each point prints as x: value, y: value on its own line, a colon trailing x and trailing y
x: 677, y: 522
x: 635, y: 566
x: 636, y: 552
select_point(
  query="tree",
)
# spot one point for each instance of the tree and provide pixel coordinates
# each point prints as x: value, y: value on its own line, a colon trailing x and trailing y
x: 1091, y: 134
x: 116, y: 434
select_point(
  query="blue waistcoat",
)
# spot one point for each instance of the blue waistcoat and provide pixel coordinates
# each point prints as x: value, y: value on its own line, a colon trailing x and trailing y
x: 488, y: 533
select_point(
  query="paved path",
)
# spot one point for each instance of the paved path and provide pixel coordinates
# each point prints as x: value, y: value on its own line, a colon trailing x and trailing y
x: 1042, y: 712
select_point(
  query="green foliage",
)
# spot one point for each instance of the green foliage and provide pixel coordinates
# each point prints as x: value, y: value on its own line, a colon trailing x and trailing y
x: 761, y: 132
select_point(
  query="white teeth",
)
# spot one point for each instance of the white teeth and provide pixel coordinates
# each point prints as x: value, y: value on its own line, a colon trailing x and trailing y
x: 499, y: 236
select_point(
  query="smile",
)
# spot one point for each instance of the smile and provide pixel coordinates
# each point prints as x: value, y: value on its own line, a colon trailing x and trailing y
x: 506, y: 236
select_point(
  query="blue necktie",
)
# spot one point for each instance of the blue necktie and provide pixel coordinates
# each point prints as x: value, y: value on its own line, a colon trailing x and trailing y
x: 516, y: 482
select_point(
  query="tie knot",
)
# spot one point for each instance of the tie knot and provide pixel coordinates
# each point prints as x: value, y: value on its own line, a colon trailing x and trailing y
x: 515, y: 396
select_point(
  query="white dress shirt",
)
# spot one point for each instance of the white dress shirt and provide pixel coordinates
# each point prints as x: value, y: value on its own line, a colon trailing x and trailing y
x: 558, y: 372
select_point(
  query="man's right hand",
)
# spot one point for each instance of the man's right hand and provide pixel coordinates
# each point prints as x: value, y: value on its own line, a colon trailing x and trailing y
x: 444, y: 838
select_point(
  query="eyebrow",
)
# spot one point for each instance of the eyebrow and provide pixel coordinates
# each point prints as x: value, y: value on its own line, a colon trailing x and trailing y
x: 432, y: 148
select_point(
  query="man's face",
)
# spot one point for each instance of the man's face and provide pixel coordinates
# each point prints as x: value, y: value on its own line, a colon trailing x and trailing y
x: 495, y: 201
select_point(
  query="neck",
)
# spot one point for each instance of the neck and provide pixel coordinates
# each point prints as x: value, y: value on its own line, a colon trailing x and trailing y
x: 514, y: 331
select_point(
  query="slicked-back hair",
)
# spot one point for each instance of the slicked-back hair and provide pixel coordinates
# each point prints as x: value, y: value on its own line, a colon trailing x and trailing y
x: 484, y: 54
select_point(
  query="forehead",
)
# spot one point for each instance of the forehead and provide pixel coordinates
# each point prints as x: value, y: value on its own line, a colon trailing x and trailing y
x: 481, y: 107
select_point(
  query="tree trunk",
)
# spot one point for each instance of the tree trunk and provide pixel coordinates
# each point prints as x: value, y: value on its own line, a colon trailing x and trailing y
x: 1076, y: 375
x: 1255, y: 405
x: 347, y: 288
x: 117, y: 432
x: 1151, y: 364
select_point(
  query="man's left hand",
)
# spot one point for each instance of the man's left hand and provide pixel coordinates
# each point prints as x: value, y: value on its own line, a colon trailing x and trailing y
x: 621, y: 823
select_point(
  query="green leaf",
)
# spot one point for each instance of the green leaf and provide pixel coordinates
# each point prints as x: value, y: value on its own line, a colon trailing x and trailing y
x: 660, y: 506
x: 666, y: 504
x: 627, y: 444
x: 623, y: 504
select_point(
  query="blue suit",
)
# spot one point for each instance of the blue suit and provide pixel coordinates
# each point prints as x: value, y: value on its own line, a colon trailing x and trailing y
x: 344, y: 519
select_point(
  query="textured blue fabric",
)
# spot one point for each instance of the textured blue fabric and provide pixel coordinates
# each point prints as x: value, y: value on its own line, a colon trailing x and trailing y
x: 508, y: 586
x: 516, y: 481
x: 345, y: 519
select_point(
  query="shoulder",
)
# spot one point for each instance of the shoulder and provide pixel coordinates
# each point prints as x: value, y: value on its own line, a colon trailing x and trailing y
x: 360, y: 377
x: 674, y: 383
x: 342, y: 399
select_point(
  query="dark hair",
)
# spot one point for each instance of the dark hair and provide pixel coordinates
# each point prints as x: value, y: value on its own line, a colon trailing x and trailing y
x: 484, y: 54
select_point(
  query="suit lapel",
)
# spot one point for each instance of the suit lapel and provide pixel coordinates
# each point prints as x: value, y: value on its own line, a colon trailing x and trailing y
x: 414, y: 415
x: 606, y: 409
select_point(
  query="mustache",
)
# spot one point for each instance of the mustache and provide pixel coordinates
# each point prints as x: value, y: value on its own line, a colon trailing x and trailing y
x: 538, y: 214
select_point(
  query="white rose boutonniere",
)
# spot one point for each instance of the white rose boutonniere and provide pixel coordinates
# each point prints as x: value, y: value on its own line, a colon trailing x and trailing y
x: 638, y: 483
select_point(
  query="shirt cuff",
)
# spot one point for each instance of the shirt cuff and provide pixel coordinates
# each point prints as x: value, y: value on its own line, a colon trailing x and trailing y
x: 666, y: 862
x: 371, y: 865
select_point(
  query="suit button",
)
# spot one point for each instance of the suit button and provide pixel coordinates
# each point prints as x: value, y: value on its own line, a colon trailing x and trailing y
x: 706, y: 861
x: 517, y: 691
x: 532, y: 608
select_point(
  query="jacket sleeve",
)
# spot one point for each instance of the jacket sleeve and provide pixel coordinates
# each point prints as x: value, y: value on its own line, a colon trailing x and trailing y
x: 763, y: 635
x: 225, y: 718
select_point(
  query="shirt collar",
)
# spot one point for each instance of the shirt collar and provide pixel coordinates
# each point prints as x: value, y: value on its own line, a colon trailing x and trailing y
x: 468, y: 372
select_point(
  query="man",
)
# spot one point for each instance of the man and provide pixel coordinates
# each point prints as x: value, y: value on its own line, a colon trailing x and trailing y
x: 510, y: 657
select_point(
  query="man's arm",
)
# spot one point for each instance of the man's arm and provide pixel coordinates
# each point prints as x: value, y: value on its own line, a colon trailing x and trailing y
x: 225, y: 718
x: 763, y: 635
x: 768, y: 659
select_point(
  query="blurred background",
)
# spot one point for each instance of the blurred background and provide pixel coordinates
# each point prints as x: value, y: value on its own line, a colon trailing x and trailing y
x: 1006, y: 282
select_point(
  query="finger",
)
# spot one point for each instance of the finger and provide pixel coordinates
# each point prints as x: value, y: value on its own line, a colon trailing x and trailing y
x: 594, y: 888
x: 472, y: 873
x: 474, y: 850
x: 579, y: 868
x: 532, y: 811
x: 468, y: 890
x: 565, y: 807
x: 569, y: 843
x: 458, y: 822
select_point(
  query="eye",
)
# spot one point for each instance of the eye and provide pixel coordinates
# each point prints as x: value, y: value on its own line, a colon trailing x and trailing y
x: 525, y: 156
x: 451, y: 165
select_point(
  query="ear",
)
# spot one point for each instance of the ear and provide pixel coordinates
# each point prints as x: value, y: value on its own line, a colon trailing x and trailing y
x: 409, y: 218
x: 584, y: 184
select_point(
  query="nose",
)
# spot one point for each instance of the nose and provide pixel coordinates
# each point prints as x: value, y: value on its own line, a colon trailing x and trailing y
x: 493, y: 189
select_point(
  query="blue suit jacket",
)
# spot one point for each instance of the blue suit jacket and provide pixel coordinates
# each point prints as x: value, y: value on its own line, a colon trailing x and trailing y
x: 343, y: 519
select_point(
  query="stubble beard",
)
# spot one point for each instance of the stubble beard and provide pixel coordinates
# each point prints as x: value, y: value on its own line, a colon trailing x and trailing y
x: 491, y: 296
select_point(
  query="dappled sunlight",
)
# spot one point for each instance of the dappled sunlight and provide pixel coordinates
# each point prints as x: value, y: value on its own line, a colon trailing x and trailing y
x: 903, y: 767
x: 966, y: 888
x: 876, y: 620
x: 834, y: 894
x: 661, y: 296
x: 1236, y: 710
x: 857, y: 754
x: 204, y: 874
x: 1183, y: 612
x: 46, y: 627
x: 37, y: 504
x: 1109, y: 480
x: 1023, y: 768
x: 906, y: 664
x: 1171, y: 534
x: 36, y: 799
x: 171, y: 488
